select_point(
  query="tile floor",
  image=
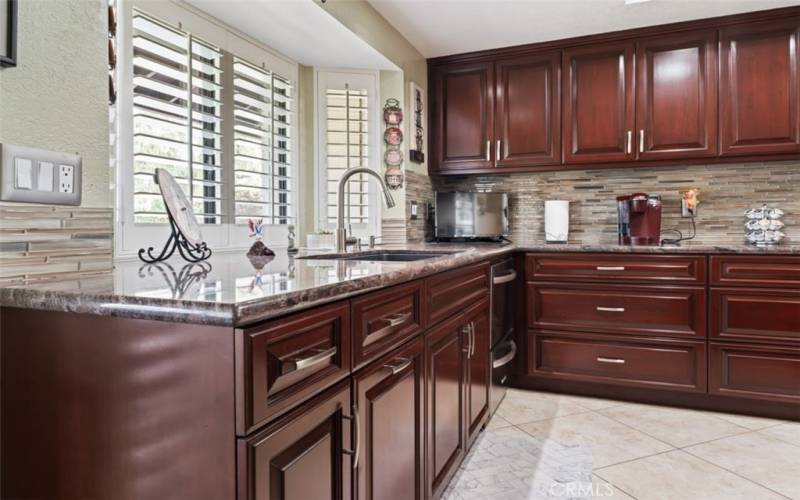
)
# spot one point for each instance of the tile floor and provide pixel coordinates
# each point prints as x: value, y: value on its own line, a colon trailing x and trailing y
x: 631, y: 451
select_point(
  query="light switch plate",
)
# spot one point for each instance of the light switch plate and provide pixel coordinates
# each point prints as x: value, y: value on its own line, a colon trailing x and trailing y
x: 45, y: 176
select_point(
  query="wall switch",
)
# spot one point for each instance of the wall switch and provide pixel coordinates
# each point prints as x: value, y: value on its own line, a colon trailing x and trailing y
x: 45, y: 182
x: 23, y: 173
x: 414, y: 210
x: 38, y: 176
x: 66, y: 179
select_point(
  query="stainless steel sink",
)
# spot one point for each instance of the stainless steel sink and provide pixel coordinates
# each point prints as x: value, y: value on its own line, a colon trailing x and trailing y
x: 385, y: 256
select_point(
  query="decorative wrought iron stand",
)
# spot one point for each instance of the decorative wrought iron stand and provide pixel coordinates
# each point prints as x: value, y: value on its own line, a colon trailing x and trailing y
x: 189, y: 251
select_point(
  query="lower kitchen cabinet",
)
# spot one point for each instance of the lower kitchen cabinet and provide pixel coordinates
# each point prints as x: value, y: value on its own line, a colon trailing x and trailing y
x: 389, y: 397
x: 305, y: 454
x: 754, y: 371
x: 478, y: 376
x: 445, y: 357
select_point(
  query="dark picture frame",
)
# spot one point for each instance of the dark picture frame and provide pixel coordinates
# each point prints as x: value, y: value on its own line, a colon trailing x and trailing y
x: 9, y: 55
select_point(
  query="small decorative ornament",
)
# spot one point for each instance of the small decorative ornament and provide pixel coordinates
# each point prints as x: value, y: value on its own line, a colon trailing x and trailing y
x: 185, y: 236
x: 291, y: 249
x: 416, y: 154
x: 394, y: 177
x: 392, y: 112
x: 259, y: 249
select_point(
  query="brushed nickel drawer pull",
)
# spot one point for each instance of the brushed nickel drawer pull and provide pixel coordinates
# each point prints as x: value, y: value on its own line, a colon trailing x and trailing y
x: 397, y: 319
x: 505, y: 278
x: 488, y: 150
x: 610, y: 268
x: 356, y: 451
x: 611, y: 309
x: 314, y: 359
x: 613, y: 361
x: 395, y: 369
x: 629, y: 140
x: 497, y: 152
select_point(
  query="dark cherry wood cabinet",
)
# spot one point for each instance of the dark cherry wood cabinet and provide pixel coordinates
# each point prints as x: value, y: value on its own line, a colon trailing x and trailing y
x: 759, y: 87
x: 450, y: 292
x: 617, y: 268
x: 676, y: 96
x: 462, y: 104
x: 390, y: 403
x: 774, y: 271
x: 528, y: 117
x: 478, y: 368
x: 446, y: 349
x: 754, y: 371
x: 599, y: 103
x: 755, y: 314
x: 307, y: 454
x: 705, y: 91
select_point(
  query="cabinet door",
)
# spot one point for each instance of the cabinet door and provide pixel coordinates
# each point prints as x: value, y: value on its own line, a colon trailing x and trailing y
x: 528, y: 118
x: 463, y: 116
x: 390, y: 404
x: 676, y: 91
x: 303, y: 455
x: 445, y: 356
x: 476, y: 320
x: 598, y: 103
x: 759, y: 86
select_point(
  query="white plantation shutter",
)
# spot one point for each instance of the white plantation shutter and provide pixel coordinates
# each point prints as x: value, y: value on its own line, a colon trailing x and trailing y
x: 263, y: 145
x: 178, y: 98
x: 347, y: 146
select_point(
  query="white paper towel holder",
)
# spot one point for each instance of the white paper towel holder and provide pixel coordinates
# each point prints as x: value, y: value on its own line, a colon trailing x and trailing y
x: 556, y: 221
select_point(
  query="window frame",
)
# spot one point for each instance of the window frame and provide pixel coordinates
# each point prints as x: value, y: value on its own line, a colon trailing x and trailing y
x: 227, y: 236
x: 323, y: 77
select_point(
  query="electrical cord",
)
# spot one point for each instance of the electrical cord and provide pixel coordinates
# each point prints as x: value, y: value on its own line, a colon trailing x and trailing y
x: 677, y: 241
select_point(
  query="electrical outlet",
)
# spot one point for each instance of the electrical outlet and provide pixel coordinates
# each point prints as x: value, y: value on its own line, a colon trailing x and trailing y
x: 66, y: 179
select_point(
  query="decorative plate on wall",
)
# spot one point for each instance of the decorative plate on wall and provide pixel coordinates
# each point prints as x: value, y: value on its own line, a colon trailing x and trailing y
x: 393, y: 156
x: 393, y: 136
x: 392, y: 112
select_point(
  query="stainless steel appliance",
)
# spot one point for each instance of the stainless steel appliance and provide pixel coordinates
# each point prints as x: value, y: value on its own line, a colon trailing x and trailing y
x: 504, y: 349
x: 471, y: 215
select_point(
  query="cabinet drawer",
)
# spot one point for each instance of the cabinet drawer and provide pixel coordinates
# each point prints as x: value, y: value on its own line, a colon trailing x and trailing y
x: 755, y: 270
x: 450, y: 292
x: 761, y: 372
x: 656, y: 363
x: 618, y: 309
x: 612, y: 268
x: 385, y: 319
x: 305, y: 454
x: 755, y: 314
x: 281, y: 363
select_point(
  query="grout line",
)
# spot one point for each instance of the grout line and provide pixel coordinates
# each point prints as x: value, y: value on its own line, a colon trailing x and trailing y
x: 736, y: 474
x: 634, y: 459
x: 615, y: 486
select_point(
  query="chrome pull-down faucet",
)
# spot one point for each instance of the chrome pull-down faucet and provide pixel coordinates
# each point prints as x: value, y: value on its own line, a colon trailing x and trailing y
x: 341, y: 232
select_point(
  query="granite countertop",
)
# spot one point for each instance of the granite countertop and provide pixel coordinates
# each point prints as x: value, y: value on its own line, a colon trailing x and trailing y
x: 228, y: 290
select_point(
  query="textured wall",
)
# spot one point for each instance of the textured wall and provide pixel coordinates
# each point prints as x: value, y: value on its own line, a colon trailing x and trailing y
x: 57, y: 96
x: 727, y: 190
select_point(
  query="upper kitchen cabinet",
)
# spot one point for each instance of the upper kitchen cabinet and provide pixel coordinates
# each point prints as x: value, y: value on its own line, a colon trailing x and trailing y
x: 528, y: 117
x: 463, y: 116
x: 760, y: 82
x: 676, y: 92
x: 598, y: 103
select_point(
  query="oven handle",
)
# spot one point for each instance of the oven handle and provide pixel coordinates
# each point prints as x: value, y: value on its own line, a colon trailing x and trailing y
x: 505, y: 278
x: 497, y: 363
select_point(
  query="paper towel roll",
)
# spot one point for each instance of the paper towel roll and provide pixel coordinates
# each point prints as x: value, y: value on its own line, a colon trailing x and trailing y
x: 556, y: 221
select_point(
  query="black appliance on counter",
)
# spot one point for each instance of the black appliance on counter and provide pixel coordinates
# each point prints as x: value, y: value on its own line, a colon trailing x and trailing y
x: 502, y: 329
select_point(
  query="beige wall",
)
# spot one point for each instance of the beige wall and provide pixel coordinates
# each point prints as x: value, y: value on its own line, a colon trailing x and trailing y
x: 56, y: 96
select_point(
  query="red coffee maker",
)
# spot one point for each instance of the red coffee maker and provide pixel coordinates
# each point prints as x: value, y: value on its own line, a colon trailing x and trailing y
x: 639, y: 219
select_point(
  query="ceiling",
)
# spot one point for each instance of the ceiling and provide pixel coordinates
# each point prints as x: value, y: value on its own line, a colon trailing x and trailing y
x: 298, y: 29
x: 443, y: 27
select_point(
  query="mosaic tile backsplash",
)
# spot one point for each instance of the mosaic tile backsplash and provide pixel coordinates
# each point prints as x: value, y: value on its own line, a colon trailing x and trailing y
x: 726, y: 191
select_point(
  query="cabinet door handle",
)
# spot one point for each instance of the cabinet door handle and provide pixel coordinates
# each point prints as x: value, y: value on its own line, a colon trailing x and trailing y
x: 397, y: 319
x: 303, y: 363
x: 395, y: 369
x: 497, y: 152
x: 611, y: 309
x: 610, y: 268
x: 641, y: 140
x: 628, y: 142
x: 472, y: 342
x: 505, y: 278
x: 612, y: 361
x: 356, y: 451
x: 488, y: 150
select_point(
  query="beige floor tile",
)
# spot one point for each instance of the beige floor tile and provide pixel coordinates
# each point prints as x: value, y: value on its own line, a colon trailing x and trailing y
x: 676, y: 426
x: 757, y: 456
x: 521, y: 408
x: 785, y: 432
x: 752, y: 423
x: 676, y: 475
x: 604, y: 489
x: 498, y: 422
x: 587, y: 402
x: 611, y: 442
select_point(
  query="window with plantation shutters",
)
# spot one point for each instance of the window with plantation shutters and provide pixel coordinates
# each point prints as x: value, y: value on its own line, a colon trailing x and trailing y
x: 216, y: 115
